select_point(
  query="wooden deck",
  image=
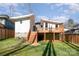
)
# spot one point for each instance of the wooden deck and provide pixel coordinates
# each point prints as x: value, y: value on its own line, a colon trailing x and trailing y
x: 52, y: 31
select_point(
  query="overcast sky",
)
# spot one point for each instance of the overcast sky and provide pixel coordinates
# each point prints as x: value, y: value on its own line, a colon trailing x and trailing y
x: 60, y: 12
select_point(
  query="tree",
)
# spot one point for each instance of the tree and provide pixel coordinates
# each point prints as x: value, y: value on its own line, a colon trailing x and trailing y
x: 70, y: 23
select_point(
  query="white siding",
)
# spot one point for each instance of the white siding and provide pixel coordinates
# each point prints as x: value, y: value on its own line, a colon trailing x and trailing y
x: 21, y: 29
x: 51, y: 26
x: 44, y: 26
x: 2, y: 21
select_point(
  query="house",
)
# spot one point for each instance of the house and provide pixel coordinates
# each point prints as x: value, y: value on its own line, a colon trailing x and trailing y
x: 4, y: 19
x: 46, y: 27
x: 2, y: 26
x: 23, y: 25
x: 76, y: 26
x: 6, y: 27
x: 74, y: 30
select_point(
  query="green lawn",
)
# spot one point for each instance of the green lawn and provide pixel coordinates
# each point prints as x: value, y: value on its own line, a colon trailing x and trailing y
x: 66, y: 49
x: 8, y: 42
x: 44, y: 49
x: 7, y: 45
x: 48, y: 49
x: 31, y: 50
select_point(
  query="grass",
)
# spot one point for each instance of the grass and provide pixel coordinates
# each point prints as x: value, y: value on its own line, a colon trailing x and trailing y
x: 48, y: 49
x: 66, y: 49
x: 31, y: 50
x: 44, y: 49
x: 7, y: 43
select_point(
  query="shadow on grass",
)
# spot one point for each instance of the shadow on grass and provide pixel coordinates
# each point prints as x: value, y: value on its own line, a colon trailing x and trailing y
x: 54, y: 52
x: 72, y: 45
x: 13, y: 49
x: 7, y: 54
x: 48, y: 49
x: 5, y: 39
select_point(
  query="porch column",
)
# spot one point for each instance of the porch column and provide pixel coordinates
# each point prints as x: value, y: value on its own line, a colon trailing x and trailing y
x: 44, y: 37
x: 53, y: 36
x: 44, y: 25
x: 63, y: 36
x: 60, y: 36
x: 48, y: 26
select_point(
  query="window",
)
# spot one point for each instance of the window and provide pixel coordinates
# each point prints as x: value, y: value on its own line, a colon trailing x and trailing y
x: 20, y: 21
x: 41, y: 25
x: 56, y: 25
x: 46, y: 25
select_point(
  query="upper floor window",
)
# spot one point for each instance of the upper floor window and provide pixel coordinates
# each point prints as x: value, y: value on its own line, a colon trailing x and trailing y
x: 46, y: 24
x: 56, y: 25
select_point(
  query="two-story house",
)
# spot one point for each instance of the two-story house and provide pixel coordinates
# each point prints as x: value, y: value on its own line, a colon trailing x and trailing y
x: 47, y: 27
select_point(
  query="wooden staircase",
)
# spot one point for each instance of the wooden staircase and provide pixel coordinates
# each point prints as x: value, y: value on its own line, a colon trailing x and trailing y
x: 33, y: 38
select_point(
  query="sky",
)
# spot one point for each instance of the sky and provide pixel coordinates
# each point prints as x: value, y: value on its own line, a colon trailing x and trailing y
x: 54, y: 11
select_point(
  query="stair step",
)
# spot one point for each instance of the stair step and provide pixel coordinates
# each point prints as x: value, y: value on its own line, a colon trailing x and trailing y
x: 32, y: 37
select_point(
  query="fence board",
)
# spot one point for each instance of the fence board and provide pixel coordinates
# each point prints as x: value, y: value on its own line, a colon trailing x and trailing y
x: 6, y: 33
x: 73, y: 38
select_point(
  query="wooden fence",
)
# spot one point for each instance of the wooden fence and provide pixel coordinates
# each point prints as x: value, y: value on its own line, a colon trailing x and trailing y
x: 6, y: 33
x: 73, y: 38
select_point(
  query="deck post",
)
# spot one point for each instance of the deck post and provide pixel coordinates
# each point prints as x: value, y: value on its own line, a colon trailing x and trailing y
x: 44, y: 37
x: 60, y: 36
x: 44, y: 25
x: 53, y: 36
x: 63, y: 36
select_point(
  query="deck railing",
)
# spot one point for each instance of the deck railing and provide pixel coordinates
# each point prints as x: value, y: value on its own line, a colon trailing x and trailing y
x: 50, y: 30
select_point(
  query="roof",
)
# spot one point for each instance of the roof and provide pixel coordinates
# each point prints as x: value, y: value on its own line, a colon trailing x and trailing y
x: 51, y: 21
x: 66, y: 29
x: 4, y: 16
x: 76, y: 25
x: 72, y: 31
x: 19, y: 17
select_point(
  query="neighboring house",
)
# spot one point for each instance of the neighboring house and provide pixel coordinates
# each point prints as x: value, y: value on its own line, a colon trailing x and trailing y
x: 4, y: 19
x: 74, y: 30
x: 2, y: 26
x: 23, y: 24
x: 6, y: 27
